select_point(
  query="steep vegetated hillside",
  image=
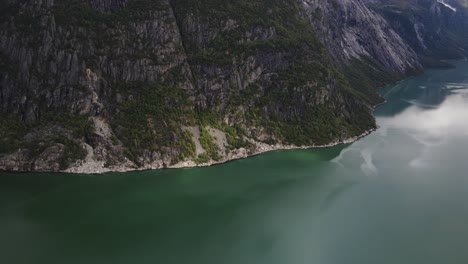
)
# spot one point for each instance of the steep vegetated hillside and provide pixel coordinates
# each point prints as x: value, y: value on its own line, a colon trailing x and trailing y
x: 99, y: 85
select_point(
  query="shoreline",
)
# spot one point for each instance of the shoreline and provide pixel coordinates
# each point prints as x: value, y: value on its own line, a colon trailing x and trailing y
x: 94, y: 167
x: 91, y: 166
x: 238, y: 154
x: 280, y: 147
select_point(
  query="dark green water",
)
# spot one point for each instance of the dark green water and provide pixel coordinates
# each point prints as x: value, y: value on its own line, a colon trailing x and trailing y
x: 397, y: 196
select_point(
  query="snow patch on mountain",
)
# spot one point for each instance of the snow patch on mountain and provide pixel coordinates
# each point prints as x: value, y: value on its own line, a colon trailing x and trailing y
x: 444, y: 3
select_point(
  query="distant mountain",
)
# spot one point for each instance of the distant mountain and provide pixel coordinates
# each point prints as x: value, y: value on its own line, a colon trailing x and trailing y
x: 436, y: 29
x: 109, y: 85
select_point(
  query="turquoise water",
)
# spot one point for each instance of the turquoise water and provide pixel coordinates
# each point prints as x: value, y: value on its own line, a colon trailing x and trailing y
x: 397, y: 196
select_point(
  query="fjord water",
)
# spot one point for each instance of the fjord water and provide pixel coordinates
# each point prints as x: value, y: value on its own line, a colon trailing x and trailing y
x: 399, y: 195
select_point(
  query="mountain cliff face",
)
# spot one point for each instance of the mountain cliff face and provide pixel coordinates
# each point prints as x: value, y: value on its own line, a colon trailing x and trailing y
x: 352, y: 31
x: 99, y: 85
x: 436, y: 29
x: 370, y: 52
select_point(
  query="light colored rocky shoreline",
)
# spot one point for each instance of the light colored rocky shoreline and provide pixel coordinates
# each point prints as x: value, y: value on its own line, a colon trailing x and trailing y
x: 91, y: 166
x: 262, y: 148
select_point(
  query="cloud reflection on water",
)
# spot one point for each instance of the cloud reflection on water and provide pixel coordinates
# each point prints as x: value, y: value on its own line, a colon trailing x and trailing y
x: 432, y: 127
x: 424, y: 126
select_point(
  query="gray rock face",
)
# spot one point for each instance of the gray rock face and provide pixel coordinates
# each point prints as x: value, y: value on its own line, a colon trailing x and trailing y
x: 68, y: 65
x: 47, y: 160
x: 19, y: 161
x: 108, y: 5
x: 350, y: 30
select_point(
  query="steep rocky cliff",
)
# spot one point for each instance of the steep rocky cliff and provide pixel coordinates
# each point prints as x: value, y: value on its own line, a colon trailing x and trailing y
x: 98, y: 85
x: 369, y: 51
x: 436, y: 29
